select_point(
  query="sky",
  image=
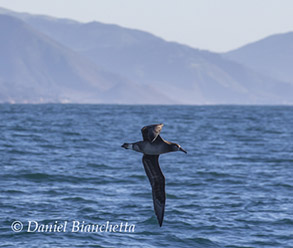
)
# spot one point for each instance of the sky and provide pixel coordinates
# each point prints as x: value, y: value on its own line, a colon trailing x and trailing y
x: 215, y: 25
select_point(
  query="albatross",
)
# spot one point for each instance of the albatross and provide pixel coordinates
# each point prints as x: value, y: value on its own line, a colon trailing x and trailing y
x: 152, y: 147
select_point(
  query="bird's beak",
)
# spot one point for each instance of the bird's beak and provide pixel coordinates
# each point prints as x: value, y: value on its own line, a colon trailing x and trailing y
x: 125, y: 145
x: 182, y: 150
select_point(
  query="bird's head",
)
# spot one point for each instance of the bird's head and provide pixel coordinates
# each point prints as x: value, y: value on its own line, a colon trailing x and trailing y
x: 126, y: 145
x: 175, y: 147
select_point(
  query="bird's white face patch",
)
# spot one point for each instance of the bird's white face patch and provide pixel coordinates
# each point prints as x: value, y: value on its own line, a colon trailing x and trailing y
x: 129, y: 146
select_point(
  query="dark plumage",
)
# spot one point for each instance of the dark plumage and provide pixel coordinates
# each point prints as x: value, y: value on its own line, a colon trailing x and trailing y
x: 152, y: 146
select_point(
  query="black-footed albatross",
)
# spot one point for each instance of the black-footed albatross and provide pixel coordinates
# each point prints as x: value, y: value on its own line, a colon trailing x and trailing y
x: 151, y: 147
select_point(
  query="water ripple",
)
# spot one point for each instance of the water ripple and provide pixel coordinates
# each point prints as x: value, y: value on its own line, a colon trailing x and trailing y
x: 64, y: 162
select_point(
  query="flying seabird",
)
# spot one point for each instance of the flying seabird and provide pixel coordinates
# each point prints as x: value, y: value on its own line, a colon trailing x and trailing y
x: 151, y: 147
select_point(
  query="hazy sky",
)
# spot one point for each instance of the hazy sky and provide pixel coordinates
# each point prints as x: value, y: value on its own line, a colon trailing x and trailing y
x: 216, y: 25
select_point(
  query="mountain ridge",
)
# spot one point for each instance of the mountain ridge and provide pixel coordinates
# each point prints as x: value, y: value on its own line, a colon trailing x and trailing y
x: 272, y: 56
x: 35, y: 68
x: 159, y: 70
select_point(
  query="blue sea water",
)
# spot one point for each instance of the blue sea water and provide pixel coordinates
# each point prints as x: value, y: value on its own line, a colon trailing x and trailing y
x: 64, y: 163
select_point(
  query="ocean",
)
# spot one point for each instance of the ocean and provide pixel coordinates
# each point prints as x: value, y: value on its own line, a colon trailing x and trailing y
x: 65, y: 181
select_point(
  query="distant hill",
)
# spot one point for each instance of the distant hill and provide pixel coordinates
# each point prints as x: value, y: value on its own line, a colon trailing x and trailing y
x: 272, y: 56
x: 152, y: 70
x: 35, y: 68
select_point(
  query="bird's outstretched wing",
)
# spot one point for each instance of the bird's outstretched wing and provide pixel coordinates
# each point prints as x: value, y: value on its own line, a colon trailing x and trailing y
x: 151, y: 132
x: 157, y: 180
